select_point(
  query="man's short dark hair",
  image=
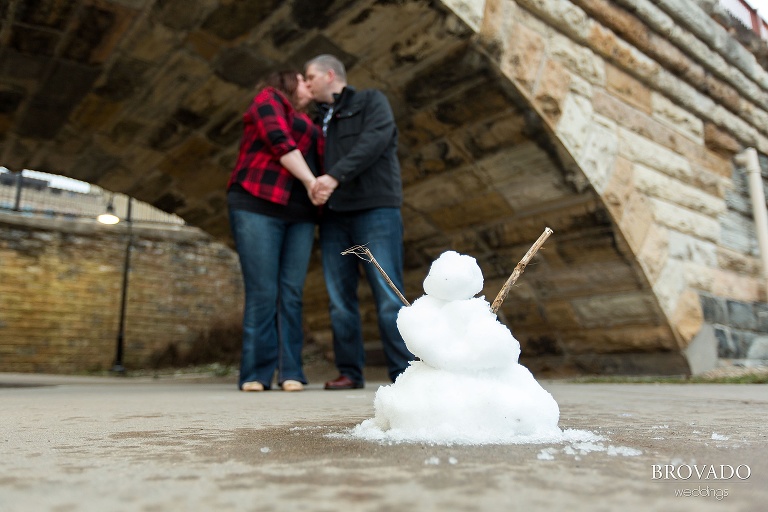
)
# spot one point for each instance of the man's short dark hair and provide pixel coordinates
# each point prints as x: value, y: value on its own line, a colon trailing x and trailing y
x: 327, y: 62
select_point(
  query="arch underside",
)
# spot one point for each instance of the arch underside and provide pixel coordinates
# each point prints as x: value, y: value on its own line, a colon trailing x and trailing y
x: 151, y: 109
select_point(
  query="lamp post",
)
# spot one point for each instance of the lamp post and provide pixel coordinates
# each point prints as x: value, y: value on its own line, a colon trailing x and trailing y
x: 110, y: 218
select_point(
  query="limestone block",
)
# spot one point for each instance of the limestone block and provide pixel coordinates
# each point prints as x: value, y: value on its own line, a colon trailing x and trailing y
x: 574, y: 125
x: 724, y: 283
x: 628, y: 89
x: 143, y: 158
x: 599, y: 154
x: 473, y: 210
x: 688, y: 317
x: 580, y: 86
x: 590, y: 252
x: 491, y: 135
x: 670, y: 284
x: 563, y: 15
x: 580, y: 60
x: 551, y: 89
x: 584, y: 280
x: 562, y: 313
x: 471, y: 11
x: 204, y: 44
x: 619, y: 339
x: 119, y: 178
x: 438, y: 157
x: 636, y: 220
x: 213, y: 96
x: 758, y: 116
x: 526, y: 196
x: 641, y: 125
x: 494, y: 30
x: 226, y: 20
x: 711, y: 182
x: 719, y: 141
x: 520, y: 162
x: 443, y: 190
x: 687, y: 248
x: 150, y: 41
x: 618, y: 188
x: 658, y: 185
x: 621, y: 21
x: 187, y: 156
x: 673, y: 57
x: 416, y: 226
x: 654, y: 252
x: 424, y: 127
x: 686, y: 221
x: 641, y: 150
x: 511, y: 231
x: 677, y: 118
x: 618, y: 309
x: 385, y: 23
x: 723, y: 93
x: 736, y: 261
x: 183, y: 74
x: 523, y: 57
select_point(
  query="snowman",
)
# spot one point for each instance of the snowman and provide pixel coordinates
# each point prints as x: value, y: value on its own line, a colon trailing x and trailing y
x: 467, y: 386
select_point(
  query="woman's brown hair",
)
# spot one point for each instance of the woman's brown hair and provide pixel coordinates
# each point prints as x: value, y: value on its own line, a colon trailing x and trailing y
x: 284, y: 81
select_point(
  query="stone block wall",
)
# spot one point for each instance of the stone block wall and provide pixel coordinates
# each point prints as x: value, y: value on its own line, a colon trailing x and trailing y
x: 60, y: 289
x: 650, y: 102
x: 738, y: 324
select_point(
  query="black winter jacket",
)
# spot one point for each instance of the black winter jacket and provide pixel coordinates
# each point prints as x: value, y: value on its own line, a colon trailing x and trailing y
x: 361, y: 152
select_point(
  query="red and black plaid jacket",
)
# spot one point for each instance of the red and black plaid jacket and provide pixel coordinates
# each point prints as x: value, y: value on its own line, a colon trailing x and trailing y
x: 271, y: 129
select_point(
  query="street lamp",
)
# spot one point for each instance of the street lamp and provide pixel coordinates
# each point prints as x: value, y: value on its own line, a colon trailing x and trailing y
x: 110, y: 218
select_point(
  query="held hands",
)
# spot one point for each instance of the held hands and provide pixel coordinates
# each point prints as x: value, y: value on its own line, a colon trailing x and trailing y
x: 322, y: 189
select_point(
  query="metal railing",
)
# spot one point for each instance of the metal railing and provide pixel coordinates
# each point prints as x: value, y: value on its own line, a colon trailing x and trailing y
x: 36, y: 193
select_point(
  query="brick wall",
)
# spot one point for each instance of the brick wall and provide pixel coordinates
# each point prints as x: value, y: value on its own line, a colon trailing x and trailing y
x: 60, y: 288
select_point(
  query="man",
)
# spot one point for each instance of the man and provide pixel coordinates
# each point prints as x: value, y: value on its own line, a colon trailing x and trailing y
x: 364, y: 190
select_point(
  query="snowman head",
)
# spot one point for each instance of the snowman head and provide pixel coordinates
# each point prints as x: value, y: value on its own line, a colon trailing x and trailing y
x: 453, y: 276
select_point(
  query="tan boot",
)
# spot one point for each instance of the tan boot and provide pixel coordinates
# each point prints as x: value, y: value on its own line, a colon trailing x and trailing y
x: 252, y: 386
x: 293, y: 385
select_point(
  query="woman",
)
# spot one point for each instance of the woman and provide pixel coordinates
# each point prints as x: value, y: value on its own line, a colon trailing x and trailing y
x: 272, y: 217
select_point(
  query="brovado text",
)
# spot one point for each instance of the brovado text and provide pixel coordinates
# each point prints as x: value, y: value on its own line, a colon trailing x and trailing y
x: 700, y: 472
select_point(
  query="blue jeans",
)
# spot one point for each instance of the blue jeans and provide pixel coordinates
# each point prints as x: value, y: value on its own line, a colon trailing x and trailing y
x: 274, y: 256
x: 381, y: 230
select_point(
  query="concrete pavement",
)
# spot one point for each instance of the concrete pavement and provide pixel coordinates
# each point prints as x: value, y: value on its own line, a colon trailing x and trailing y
x: 111, y: 444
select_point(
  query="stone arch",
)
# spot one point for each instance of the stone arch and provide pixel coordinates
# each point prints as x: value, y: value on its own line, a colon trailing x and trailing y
x: 614, y: 123
x: 624, y: 89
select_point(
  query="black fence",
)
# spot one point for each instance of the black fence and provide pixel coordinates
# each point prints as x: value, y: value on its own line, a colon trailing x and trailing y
x: 35, y: 193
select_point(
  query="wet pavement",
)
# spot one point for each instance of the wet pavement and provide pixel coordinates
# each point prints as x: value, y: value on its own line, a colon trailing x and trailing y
x: 143, y: 444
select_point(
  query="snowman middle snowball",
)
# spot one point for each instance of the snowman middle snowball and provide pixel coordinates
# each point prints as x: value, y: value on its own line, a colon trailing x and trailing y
x: 449, y: 329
